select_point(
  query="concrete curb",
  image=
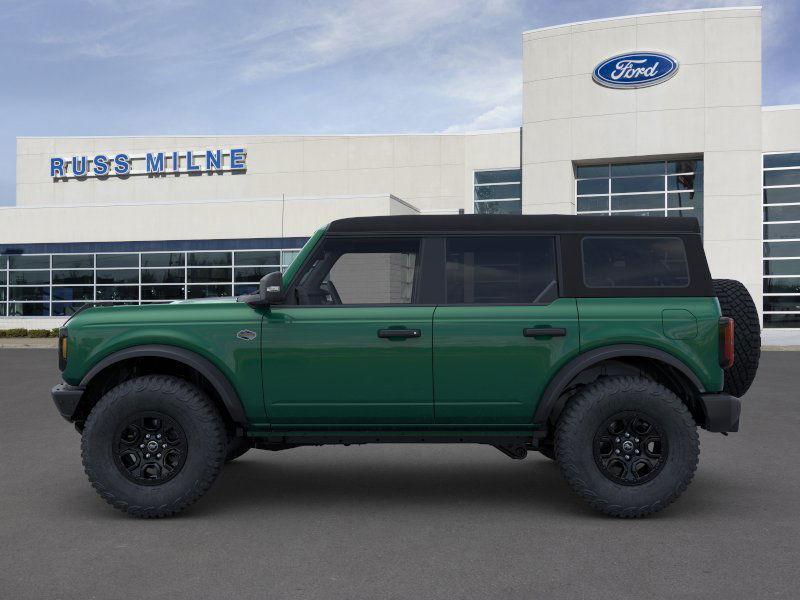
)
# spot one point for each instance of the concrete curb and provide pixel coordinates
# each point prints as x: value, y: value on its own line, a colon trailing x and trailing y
x: 29, y: 343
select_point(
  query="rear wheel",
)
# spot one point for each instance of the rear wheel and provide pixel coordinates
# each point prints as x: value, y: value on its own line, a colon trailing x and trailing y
x: 627, y: 445
x: 153, y: 445
x: 736, y: 303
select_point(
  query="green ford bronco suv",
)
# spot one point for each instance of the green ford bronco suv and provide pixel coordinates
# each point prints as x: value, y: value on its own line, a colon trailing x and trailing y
x: 600, y: 342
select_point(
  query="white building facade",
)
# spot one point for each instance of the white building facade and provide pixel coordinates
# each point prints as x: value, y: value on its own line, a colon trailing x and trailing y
x: 155, y: 219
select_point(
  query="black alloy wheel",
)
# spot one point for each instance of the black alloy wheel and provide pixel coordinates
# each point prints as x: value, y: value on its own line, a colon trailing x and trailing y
x: 150, y: 448
x: 630, y: 448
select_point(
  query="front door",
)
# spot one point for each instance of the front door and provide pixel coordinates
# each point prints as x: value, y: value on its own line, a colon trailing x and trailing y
x: 502, y: 332
x: 356, y: 347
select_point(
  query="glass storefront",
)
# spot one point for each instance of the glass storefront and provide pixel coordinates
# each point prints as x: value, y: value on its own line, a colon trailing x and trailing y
x: 781, y: 240
x: 653, y: 189
x: 498, y: 192
x: 41, y: 285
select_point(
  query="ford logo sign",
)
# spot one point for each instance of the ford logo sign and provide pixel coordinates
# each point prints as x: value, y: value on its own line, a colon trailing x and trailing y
x: 635, y: 70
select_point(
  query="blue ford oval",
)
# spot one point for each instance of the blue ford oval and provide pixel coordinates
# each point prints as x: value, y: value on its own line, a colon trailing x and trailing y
x: 635, y: 70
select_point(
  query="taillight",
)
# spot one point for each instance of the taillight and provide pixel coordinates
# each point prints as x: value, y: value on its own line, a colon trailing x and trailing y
x: 726, y: 325
x: 62, y: 348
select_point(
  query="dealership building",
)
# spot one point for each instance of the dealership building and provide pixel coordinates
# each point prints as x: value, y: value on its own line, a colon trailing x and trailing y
x: 653, y: 115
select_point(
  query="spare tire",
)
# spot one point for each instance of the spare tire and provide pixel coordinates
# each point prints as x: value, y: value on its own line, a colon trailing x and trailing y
x: 736, y: 303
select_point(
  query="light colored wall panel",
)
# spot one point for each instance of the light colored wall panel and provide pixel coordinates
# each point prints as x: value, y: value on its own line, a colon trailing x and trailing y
x: 321, y: 183
x: 547, y: 99
x: 733, y: 83
x: 547, y: 57
x: 603, y: 136
x: 325, y: 154
x: 781, y: 129
x: 370, y: 152
x: 684, y: 90
x: 732, y: 38
x: 370, y: 181
x: 666, y: 132
x: 590, y: 99
x: 417, y: 150
x: 732, y: 173
x: 275, y: 157
x: 681, y: 38
x: 549, y: 140
x: 733, y: 128
x: 603, y: 42
x: 732, y: 218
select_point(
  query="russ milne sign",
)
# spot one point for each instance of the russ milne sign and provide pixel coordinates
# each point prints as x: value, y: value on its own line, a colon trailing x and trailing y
x: 151, y: 163
x: 635, y: 70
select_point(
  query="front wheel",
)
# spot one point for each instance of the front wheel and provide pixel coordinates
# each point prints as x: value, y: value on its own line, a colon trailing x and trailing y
x: 627, y: 445
x: 153, y: 445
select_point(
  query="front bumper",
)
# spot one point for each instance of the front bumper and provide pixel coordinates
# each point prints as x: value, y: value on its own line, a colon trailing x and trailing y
x: 66, y: 398
x: 721, y: 412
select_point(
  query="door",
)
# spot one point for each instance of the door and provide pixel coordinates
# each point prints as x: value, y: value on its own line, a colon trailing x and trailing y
x: 356, y: 348
x: 503, y: 331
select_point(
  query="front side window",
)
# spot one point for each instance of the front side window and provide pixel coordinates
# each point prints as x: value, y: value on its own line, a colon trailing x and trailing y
x: 361, y: 272
x: 500, y: 270
x: 634, y: 262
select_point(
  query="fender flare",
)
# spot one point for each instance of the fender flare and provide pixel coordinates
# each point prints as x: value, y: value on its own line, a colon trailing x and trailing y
x: 202, y: 365
x: 587, y: 359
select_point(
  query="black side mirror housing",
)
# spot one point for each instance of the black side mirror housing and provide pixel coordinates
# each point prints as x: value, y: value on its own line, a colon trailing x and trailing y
x: 270, y: 291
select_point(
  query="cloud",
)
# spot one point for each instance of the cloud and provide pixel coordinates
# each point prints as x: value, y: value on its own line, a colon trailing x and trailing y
x: 497, y: 117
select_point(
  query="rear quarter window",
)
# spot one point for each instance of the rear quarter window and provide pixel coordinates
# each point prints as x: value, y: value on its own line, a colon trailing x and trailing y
x: 634, y: 262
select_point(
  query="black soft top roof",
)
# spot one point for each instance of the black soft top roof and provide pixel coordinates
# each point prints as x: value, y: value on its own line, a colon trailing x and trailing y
x: 487, y: 223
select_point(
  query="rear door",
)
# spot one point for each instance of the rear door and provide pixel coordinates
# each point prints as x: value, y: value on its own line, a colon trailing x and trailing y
x: 357, y: 347
x: 502, y: 332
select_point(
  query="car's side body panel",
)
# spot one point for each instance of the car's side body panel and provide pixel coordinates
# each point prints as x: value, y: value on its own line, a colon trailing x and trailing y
x: 658, y: 323
x: 329, y: 365
x: 486, y: 370
x: 209, y: 329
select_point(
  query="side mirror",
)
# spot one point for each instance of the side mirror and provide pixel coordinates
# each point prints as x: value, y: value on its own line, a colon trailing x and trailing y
x: 270, y: 291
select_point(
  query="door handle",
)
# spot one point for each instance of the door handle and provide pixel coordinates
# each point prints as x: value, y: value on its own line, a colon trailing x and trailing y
x: 399, y: 333
x: 544, y: 332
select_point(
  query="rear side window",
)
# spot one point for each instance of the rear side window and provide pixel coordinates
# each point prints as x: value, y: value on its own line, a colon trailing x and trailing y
x: 500, y: 270
x: 634, y: 262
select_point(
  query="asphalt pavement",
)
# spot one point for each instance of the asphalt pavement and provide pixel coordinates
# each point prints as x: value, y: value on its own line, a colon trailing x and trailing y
x: 399, y: 521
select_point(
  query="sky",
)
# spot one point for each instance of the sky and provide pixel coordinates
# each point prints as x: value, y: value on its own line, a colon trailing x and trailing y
x: 161, y: 67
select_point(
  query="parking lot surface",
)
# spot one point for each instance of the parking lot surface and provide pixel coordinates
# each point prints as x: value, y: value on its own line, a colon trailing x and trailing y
x: 399, y: 521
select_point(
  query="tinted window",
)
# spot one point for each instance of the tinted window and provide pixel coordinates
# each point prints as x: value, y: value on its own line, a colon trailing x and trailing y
x: 654, y: 262
x: 209, y: 259
x: 118, y: 276
x: 29, y: 262
x: 73, y: 261
x: 163, y: 259
x: 511, y: 270
x: 361, y: 272
x: 111, y: 261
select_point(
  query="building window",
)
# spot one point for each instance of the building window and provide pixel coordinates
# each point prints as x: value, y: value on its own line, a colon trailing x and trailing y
x: 782, y: 240
x: 498, y: 192
x: 57, y: 285
x: 664, y: 188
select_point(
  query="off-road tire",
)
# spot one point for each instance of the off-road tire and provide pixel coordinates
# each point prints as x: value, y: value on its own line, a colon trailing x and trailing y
x: 236, y: 447
x: 186, y: 405
x: 586, y: 413
x: 736, y: 303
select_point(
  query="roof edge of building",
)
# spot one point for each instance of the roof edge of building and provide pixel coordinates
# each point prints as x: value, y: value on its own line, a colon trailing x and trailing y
x: 267, y: 135
x: 650, y: 14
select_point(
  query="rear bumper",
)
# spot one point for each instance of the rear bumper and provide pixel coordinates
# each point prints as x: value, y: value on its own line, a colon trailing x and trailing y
x: 66, y: 398
x: 721, y: 411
